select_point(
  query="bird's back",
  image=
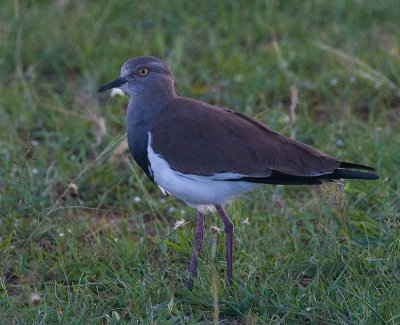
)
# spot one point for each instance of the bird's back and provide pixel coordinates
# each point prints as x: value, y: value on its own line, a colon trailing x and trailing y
x: 202, y: 139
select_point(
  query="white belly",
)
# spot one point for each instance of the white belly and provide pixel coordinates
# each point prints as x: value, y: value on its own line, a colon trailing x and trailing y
x: 193, y: 189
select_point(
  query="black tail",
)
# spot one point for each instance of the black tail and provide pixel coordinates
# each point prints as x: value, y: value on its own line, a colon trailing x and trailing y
x: 341, y: 173
x: 345, y: 171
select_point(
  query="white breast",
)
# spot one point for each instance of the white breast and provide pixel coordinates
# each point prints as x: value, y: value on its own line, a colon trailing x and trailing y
x: 195, y: 190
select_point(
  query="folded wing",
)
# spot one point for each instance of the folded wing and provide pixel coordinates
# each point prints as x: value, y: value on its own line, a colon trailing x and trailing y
x: 201, y: 139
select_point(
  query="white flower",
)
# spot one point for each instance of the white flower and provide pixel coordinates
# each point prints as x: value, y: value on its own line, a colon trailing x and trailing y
x: 339, y: 142
x: 137, y: 199
x: 35, y: 299
x: 117, y: 92
x: 246, y: 221
x: 180, y: 224
x: 238, y: 78
x: 215, y: 230
x: 73, y: 187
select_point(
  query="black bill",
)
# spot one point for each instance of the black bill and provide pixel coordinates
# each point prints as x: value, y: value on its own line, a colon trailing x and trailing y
x: 112, y: 84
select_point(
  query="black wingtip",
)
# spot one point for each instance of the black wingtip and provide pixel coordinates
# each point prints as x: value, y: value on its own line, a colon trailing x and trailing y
x: 345, y: 164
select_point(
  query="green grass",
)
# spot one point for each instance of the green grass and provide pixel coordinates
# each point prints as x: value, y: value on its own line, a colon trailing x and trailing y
x: 82, y: 227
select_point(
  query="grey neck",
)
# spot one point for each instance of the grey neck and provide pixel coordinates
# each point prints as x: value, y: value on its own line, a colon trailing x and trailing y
x: 146, y: 104
x: 143, y: 111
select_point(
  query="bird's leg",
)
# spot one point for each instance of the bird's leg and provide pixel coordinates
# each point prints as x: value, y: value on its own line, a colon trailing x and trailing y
x: 198, y: 241
x: 228, y: 227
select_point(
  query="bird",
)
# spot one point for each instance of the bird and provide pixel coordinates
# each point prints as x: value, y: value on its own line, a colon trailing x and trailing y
x: 206, y: 155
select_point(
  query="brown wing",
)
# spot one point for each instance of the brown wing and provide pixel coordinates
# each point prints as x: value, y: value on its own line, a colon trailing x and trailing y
x: 201, y: 139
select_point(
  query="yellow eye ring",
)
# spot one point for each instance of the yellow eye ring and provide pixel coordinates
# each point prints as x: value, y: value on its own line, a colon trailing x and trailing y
x: 143, y: 72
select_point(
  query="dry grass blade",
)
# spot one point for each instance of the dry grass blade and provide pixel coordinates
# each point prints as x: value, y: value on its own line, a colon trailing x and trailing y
x: 214, y: 291
x: 293, y: 106
x: 56, y: 206
x: 364, y: 70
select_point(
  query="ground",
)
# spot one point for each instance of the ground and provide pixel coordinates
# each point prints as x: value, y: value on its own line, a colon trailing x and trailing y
x: 85, y: 238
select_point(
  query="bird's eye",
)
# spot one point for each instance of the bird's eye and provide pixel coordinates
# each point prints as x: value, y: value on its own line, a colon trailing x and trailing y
x: 142, y: 72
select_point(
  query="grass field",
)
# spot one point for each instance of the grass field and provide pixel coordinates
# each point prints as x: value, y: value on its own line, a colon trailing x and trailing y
x: 85, y: 238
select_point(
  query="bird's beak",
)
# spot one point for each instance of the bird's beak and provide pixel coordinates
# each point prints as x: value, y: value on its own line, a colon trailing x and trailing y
x: 112, y: 84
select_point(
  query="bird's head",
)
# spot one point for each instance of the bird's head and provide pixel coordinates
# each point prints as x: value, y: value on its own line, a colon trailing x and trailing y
x: 143, y: 74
